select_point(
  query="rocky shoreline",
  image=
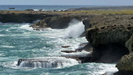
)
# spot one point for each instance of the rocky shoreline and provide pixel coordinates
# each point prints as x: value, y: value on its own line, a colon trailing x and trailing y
x: 110, y: 36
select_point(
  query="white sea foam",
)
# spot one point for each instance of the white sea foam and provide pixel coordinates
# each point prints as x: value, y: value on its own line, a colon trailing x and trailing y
x: 103, y: 68
x: 76, y: 54
x: 36, y: 9
x: 47, y: 62
x: 1, y: 54
x: 26, y: 26
x: 75, y: 29
x: 11, y: 64
x: 2, y: 35
x: 6, y: 46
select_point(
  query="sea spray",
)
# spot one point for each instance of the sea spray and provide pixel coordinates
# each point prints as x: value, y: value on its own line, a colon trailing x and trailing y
x: 26, y: 26
x: 47, y: 62
x: 30, y: 44
x: 76, y: 54
x: 75, y: 29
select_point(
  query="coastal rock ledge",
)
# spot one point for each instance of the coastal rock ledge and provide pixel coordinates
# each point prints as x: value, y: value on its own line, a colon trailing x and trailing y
x: 110, y: 36
x: 113, y: 43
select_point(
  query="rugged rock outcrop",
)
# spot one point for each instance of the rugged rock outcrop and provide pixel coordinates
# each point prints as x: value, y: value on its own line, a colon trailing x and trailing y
x: 126, y: 63
x: 107, y: 20
x: 112, y: 40
x: 129, y: 44
x: 22, y: 17
x: 109, y: 34
x: 57, y: 22
x: 109, y: 42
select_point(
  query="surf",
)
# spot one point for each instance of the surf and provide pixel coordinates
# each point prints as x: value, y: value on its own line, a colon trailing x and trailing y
x: 46, y: 62
x: 75, y: 29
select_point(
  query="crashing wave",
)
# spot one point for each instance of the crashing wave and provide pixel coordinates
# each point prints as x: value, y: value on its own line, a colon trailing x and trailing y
x: 26, y: 27
x: 46, y: 62
x: 75, y: 29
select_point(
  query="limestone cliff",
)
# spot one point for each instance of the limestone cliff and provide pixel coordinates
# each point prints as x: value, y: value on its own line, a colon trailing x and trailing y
x: 112, y: 40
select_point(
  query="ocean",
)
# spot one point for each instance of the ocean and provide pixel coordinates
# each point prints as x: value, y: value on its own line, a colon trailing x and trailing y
x: 44, y: 7
x: 20, y: 41
x: 37, y: 7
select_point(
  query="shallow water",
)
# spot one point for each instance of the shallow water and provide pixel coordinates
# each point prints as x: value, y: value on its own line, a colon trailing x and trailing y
x: 20, y: 41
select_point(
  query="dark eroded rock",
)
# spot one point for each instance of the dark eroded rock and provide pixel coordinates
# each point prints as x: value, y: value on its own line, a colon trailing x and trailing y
x: 21, y: 18
x: 56, y: 22
x: 109, y: 34
x: 126, y: 63
x: 65, y: 46
x: 109, y: 53
x: 129, y: 44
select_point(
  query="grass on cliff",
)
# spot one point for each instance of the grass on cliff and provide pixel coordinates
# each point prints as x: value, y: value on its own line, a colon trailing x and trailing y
x: 71, y: 12
x: 104, y: 12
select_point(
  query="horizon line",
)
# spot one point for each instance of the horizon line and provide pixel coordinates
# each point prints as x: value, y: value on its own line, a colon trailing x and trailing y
x: 65, y: 5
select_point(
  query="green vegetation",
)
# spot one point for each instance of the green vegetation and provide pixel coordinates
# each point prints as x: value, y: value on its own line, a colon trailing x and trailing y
x: 71, y: 12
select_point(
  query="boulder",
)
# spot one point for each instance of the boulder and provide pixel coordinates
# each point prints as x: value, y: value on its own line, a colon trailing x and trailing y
x: 126, y: 63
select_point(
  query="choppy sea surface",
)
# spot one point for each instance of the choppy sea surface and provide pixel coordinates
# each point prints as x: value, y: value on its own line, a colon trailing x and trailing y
x: 19, y: 41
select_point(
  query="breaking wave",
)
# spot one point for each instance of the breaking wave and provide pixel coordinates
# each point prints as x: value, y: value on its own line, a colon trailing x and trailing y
x: 75, y: 29
x: 47, y: 62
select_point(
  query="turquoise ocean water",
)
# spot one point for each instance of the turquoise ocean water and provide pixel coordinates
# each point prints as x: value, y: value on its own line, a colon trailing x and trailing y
x: 18, y: 41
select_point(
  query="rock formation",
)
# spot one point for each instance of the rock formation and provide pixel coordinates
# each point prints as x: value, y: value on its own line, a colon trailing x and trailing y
x: 112, y: 40
x: 110, y: 36
x: 22, y: 17
x: 108, y: 42
x: 126, y: 63
x: 57, y: 22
